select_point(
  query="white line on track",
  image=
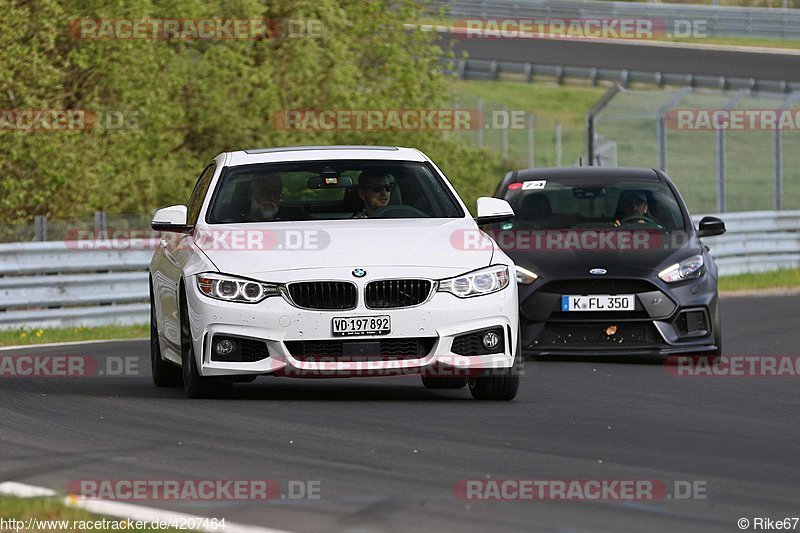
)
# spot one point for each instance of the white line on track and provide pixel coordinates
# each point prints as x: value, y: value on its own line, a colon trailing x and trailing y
x: 73, y: 343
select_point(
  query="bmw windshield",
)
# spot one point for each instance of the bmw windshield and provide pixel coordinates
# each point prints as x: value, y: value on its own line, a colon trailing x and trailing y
x: 329, y: 190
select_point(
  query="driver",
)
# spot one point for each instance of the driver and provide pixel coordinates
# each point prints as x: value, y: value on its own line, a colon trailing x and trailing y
x: 265, y: 195
x: 632, y: 206
x: 375, y: 190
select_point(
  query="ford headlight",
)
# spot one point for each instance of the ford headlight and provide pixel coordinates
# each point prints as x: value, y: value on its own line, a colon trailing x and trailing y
x: 687, y: 269
x: 231, y: 289
x: 525, y: 276
x: 477, y: 283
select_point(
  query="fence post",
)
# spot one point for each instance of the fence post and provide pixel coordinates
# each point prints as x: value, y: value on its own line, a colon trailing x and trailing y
x: 479, y: 131
x: 590, y: 116
x: 504, y: 133
x: 662, y: 125
x: 100, y: 221
x: 558, y: 143
x: 40, y: 228
x: 531, y: 158
x: 720, y: 170
x: 778, y: 168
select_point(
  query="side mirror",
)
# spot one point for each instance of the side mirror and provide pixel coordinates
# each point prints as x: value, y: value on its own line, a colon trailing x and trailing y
x: 493, y: 210
x: 172, y: 218
x: 710, y: 226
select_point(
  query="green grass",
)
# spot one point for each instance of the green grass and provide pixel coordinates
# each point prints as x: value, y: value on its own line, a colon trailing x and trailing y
x: 785, y: 278
x: 740, y: 41
x: 54, y: 509
x: 22, y: 337
x: 550, y: 104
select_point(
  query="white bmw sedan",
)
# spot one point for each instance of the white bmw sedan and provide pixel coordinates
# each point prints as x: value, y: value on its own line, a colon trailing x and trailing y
x: 332, y: 261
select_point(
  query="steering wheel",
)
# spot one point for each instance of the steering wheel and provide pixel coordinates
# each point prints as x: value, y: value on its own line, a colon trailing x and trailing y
x: 398, y: 211
x: 642, y: 218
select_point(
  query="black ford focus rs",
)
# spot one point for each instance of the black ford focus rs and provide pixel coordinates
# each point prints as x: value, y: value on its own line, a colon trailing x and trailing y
x: 609, y: 263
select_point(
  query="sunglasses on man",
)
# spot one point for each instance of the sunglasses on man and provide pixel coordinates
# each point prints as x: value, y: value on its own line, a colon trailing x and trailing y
x: 389, y: 187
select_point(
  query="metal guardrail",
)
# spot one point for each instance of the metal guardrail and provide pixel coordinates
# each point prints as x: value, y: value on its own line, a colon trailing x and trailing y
x: 484, y: 69
x: 65, y: 283
x: 62, y: 284
x: 756, y: 241
x: 719, y: 21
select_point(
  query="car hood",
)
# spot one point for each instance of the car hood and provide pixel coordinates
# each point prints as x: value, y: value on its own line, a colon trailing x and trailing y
x: 642, y: 263
x: 249, y: 249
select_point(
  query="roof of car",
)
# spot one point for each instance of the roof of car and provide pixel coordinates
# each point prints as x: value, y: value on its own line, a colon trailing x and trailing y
x: 313, y: 153
x: 599, y: 173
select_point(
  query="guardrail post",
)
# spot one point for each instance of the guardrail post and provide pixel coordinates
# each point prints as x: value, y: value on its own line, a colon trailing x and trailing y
x: 462, y: 69
x: 40, y: 228
x: 493, y: 70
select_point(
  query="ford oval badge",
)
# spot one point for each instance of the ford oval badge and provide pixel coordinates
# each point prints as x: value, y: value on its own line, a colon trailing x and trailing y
x: 598, y: 272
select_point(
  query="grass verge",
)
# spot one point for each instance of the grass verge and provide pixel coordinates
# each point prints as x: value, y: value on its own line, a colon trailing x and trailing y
x: 22, y: 337
x: 788, y: 278
x: 50, y: 514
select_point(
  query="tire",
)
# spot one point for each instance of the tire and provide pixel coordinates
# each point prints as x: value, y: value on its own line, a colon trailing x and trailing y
x: 165, y: 374
x: 502, y: 386
x: 196, y: 385
x: 436, y: 382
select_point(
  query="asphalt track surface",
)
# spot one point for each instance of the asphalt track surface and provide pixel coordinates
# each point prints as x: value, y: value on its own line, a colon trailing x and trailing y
x: 635, y: 56
x: 387, y: 452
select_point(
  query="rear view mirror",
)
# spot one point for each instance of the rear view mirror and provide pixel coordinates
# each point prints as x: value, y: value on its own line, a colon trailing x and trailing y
x: 172, y: 218
x: 493, y: 210
x: 710, y: 226
x: 589, y: 192
x: 329, y: 182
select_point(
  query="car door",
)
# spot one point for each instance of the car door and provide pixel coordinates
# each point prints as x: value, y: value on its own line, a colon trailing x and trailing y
x: 176, y: 253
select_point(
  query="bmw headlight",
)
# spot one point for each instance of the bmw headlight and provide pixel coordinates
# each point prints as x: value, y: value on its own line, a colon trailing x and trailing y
x: 231, y: 289
x: 525, y: 276
x: 687, y: 269
x: 477, y: 283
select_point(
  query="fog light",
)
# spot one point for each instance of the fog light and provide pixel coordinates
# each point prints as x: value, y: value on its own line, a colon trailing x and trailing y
x: 225, y: 347
x: 490, y: 340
